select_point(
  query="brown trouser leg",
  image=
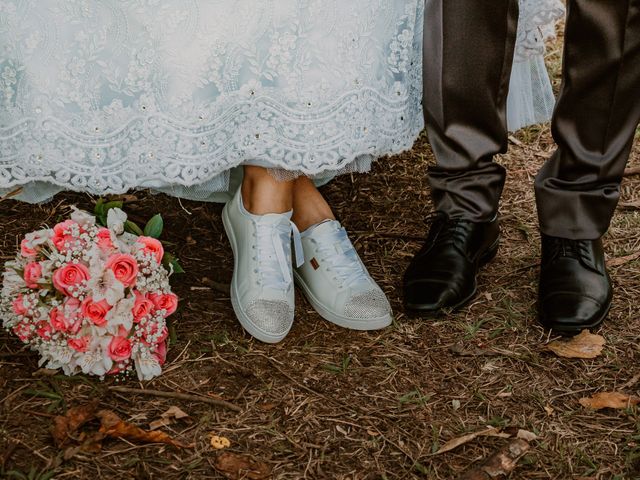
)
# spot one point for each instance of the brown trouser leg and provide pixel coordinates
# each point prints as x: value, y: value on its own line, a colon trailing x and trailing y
x: 468, y: 53
x: 595, y: 120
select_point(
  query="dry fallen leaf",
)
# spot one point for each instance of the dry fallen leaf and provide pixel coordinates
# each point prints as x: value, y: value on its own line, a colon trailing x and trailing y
x: 90, y: 443
x: 501, y: 463
x: 113, y: 426
x: 610, y: 400
x: 220, y: 443
x: 267, y: 407
x: 526, y: 435
x: 509, y: 432
x: 585, y: 345
x: 65, y: 426
x: 236, y: 467
x: 168, y: 418
x: 457, y: 442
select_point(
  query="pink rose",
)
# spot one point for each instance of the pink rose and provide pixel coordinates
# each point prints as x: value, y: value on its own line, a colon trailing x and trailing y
x: 161, y: 352
x: 61, y: 235
x: 119, y: 349
x: 69, y: 276
x: 23, y: 331
x: 79, y: 344
x: 152, y: 246
x: 75, y: 324
x: 27, y: 251
x: 142, y: 308
x: 104, y: 239
x: 58, y: 321
x: 96, y: 312
x: 44, y: 330
x: 32, y: 274
x: 18, y: 306
x: 72, y: 309
x: 167, y: 301
x: 124, y: 267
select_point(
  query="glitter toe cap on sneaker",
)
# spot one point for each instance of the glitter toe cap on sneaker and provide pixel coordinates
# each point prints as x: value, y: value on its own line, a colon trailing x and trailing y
x: 371, y: 304
x: 336, y: 282
x: 271, y: 317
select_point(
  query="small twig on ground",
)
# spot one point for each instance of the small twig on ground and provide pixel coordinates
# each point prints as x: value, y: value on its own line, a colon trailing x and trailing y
x: 619, y: 261
x: 11, y: 194
x: 632, y: 171
x: 629, y: 205
x: 15, y: 354
x: 31, y: 449
x: 631, y: 382
x: 515, y: 141
x: 398, y: 236
x: 217, y: 286
x: 39, y: 414
x: 178, y: 396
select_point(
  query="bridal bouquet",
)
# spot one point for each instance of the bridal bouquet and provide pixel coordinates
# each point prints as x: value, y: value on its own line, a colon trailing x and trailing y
x: 91, y: 298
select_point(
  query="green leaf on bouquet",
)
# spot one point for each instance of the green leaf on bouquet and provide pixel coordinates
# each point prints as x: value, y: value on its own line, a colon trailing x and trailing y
x: 154, y: 227
x: 177, y: 268
x: 131, y: 227
x: 100, y: 213
x: 169, y: 261
x: 173, y: 334
x: 99, y: 208
x: 115, y: 204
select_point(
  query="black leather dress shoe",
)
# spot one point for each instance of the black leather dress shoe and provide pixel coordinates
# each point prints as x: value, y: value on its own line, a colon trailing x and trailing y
x: 575, y: 289
x: 443, y: 274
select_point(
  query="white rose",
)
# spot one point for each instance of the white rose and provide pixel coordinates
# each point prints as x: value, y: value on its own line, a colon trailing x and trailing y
x: 82, y: 218
x: 115, y: 220
x: 147, y: 366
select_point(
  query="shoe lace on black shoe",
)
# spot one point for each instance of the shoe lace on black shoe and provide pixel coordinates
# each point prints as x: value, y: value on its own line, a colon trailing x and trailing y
x: 574, y: 249
x: 445, y: 231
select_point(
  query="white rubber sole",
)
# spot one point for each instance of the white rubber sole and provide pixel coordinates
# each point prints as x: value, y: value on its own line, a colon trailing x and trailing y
x: 369, y: 324
x: 244, y: 320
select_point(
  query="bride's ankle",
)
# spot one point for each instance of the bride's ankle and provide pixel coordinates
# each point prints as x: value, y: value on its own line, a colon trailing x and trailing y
x: 309, y: 206
x: 306, y: 219
x: 262, y: 193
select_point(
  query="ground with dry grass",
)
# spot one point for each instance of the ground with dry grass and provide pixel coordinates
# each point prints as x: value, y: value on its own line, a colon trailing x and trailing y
x: 328, y: 403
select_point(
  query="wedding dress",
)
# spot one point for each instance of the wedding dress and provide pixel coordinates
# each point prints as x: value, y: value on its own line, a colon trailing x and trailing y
x: 106, y: 96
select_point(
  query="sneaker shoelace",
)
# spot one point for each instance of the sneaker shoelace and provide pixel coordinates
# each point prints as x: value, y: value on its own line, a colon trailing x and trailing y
x: 275, y: 262
x: 336, y: 249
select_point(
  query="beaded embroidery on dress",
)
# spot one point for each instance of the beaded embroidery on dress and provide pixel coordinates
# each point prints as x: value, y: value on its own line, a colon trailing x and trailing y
x: 109, y: 96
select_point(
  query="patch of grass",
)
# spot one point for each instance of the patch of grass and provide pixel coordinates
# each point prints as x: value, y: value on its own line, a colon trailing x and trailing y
x: 414, y: 397
x: 340, y: 368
